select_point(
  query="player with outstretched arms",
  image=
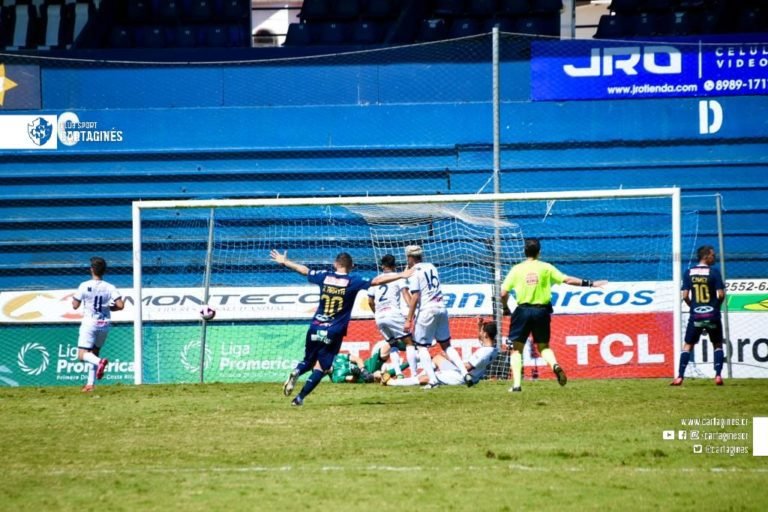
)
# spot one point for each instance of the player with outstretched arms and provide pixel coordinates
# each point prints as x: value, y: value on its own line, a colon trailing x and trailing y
x: 704, y: 291
x: 98, y: 298
x: 431, y: 322
x: 386, y: 301
x: 338, y: 289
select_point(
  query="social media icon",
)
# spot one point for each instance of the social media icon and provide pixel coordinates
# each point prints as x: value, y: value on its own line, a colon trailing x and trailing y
x: 682, y: 434
x: 668, y: 435
x: 694, y: 434
x: 697, y: 448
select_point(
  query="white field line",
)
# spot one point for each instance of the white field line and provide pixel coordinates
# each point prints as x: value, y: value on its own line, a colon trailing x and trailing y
x: 78, y: 471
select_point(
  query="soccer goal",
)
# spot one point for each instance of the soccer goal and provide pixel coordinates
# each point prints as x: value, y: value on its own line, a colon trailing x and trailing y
x: 188, y: 254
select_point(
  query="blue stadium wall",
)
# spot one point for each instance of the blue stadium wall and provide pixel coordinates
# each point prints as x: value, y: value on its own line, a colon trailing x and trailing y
x: 400, y: 122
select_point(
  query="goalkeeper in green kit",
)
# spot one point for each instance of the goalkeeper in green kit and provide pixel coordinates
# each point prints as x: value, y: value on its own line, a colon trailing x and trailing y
x: 349, y: 368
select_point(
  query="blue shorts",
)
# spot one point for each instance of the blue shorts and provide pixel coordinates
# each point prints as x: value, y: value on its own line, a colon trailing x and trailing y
x: 321, y: 350
x: 527, y: 320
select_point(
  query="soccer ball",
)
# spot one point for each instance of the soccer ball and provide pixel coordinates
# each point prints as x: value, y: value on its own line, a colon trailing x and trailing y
x: 207, y: 313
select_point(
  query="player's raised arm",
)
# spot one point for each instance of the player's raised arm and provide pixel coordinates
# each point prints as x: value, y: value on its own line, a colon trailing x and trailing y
x: 282, y: 259
x: 388, y: 277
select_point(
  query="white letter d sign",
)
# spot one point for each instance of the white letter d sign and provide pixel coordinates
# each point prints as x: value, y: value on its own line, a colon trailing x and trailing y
x: 705, y: 126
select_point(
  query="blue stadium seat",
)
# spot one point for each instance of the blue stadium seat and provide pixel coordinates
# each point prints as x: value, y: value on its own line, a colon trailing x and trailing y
x: 611, y: 27
x: 233, y: 10
x: 432, y: 30
x: 315, y: 10
x: 198, y: 11
x: 514, y: 7
x: 299, y: 34
x: 120, y: 37
x: 504, y: 24
x: 546, y: 6
x: 465, y: 27
x: 216, y: 36
x: 347, y: 9
x: 625, y: 6
x: 150, y: 36
x: 712, y: 23
x: 367, y: 32
x: 644, y: 25
x: 185, y: 36
x: 333, y: 33
x: 679, y: 23
x: 538, y: 25
x: 137, y: 11
x: 751, y: 20
x: 377, y: 9
x: 167, y: 11
x: 481, y: 8
x: 448, y: 8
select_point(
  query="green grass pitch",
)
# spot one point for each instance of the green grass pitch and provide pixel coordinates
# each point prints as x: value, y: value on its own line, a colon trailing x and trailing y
x: 592, y: 445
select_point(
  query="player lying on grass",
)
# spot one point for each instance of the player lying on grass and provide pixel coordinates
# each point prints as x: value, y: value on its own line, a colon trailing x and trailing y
x: 351, y: 368
x: 446, y: 373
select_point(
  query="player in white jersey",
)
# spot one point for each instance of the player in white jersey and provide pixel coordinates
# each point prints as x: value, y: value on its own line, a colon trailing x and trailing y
x: 98, y: 298
x: 431, y: 322
x: 387, y: 301
x: 448, y: 374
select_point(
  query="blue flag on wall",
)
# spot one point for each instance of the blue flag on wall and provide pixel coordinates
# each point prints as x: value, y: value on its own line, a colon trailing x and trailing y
x: 19, y: 87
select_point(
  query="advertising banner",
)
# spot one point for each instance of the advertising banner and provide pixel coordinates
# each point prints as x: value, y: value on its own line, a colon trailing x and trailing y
x: 42, y: 355
x: 300, y: 302
x: 685, y: 67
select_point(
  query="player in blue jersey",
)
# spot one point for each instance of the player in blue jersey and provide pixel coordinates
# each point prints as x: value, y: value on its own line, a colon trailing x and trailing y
x: 704, y: 292
x: 338, y: 289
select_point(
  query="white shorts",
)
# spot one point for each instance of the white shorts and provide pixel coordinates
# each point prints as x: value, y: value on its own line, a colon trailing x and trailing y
x: 431, y: 324
x: 449, y: 375
x: 391, y: 327
x: 92, y: 336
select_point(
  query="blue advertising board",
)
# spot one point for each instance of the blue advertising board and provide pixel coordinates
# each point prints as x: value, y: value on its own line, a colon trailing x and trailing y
x: 683, y: 67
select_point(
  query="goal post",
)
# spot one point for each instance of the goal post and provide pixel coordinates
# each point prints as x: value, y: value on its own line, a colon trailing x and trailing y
x: 631, y: 237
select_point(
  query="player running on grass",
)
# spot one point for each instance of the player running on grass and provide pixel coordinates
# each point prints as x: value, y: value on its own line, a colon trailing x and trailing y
x: 431, y: 321
x: 338, y: 289
x: 532, y: 282
x: 447, y: 373
x: 708, y: 289
x: 386, y: 302
x: 98, y: 298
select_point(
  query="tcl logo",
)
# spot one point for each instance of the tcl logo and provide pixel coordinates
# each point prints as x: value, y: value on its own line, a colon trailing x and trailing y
x: 657, y: 60
x: 614, y: 349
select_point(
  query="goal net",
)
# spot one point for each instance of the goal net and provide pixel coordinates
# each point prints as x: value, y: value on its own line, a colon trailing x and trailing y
x: 216, y: 252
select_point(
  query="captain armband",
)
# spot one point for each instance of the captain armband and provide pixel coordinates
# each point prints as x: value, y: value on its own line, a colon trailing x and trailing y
x: 587, y: 283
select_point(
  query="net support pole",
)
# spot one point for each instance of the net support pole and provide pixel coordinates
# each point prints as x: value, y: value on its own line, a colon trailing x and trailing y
x: 137, y: 313
x: 677, y: 261
x: 721, y: 249
x: 498, y: 309
x: 206, y: 293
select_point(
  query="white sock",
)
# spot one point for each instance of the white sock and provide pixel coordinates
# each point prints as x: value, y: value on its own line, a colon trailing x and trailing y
x: 91, y: 375
x: 408, y: 381
x: 394, y: 358
x: 456, y: 359
x: 410, y: 356
x: 90, y: 357
x: 426, y: 362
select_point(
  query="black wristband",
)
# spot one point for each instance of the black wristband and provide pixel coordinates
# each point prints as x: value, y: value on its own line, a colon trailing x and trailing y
x: 587, y: 283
